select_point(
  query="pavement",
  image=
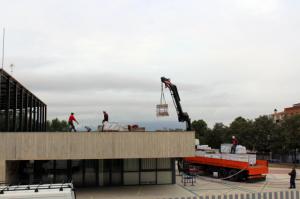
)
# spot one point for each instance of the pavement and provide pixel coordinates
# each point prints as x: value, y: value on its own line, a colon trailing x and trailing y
x: 277, y: 180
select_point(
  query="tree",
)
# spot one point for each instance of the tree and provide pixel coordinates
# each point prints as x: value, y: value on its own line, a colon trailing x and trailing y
x: 215, y: 137
x: 57, y: 125
x: 242, y: 129
x: 291, y: 130
x: 200, y: 128
x: 263, y: 131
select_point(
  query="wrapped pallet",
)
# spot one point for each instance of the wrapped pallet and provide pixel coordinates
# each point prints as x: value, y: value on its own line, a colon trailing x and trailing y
x: 226, y: 148
x: 114, y: 127
x: 240, y: 149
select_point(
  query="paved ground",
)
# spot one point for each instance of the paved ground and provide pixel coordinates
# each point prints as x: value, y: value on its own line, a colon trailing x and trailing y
x: 277, y: 180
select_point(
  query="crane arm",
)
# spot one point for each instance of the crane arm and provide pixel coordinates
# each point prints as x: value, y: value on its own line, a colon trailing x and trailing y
x: 182, y: 116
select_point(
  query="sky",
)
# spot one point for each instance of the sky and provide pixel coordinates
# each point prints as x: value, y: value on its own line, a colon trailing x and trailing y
x: 228, y: 58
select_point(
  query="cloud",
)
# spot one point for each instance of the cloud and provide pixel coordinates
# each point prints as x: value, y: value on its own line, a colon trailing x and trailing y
x: 227, y: 58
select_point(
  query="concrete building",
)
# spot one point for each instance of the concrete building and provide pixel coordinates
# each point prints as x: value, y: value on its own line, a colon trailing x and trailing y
x: 85, y: 158
x: 94, y: 158
x: 289, y: 111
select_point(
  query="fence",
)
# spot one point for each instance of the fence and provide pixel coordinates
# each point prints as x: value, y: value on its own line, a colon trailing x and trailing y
x: 293, y: 194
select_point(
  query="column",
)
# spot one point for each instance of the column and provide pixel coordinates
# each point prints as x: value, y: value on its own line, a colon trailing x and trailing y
x: 30, y: 113
x: 45, y: 118
x: 2, y: 171
x: 26, y: 112
x: 21, y: 123
x: 15, y: 108
x: 34, y: 116
x: 7, y: 104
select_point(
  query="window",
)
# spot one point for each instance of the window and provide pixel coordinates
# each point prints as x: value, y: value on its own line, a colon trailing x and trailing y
x: 164, y: 163
x: 131, y: 165
x: 148, y: 164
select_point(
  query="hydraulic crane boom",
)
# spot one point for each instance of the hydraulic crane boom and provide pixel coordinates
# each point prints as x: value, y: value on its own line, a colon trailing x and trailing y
x: 182, y: 116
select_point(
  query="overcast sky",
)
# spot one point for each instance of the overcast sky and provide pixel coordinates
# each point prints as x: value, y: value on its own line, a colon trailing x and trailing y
x: 228, y: 58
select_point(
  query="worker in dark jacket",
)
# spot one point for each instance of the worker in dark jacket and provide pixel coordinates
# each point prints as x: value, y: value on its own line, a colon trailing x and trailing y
x: 105, y: 119
x: 234, y: 142
x: 293, y: 178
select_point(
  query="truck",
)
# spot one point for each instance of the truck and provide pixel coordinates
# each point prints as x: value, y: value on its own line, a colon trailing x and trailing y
x: 235, y: 167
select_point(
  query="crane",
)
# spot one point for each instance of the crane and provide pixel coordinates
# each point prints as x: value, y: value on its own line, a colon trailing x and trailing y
x: 182, y: 116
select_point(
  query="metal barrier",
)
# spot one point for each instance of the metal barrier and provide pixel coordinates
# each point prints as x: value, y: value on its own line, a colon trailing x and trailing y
x: 290, y: 194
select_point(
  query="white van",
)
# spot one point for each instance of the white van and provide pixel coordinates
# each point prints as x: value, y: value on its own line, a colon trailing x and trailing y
x: 42, y: 191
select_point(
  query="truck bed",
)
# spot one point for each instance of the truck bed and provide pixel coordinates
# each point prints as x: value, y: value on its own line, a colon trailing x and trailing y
x: 259, y: 169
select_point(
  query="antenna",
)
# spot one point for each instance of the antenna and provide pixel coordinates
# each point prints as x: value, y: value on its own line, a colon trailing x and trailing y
x: 3, y: 47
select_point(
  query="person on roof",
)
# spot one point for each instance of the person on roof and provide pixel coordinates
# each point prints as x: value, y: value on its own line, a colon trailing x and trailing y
x: 72, y: 119
x: 234, y: 142
x: 105, y: 119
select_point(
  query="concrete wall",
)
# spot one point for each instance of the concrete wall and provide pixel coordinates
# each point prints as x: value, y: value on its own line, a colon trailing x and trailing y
x: 104, y: 145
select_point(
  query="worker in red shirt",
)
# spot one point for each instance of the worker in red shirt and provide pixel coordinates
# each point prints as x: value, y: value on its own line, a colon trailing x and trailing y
x: 71, y: 122
x: 234, y: 142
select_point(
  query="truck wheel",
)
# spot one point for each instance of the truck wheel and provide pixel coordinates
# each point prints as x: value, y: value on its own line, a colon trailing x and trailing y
x: 222, y: 173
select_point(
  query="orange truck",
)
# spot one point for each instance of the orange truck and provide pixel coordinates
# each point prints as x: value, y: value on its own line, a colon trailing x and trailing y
x: 224, y: 168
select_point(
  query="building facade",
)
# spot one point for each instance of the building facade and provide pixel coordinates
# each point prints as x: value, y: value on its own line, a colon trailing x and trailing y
x: 93, y: 158
x: 287, y: 112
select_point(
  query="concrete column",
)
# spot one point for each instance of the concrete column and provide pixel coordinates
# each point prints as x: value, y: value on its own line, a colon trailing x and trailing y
x: 2, y: 171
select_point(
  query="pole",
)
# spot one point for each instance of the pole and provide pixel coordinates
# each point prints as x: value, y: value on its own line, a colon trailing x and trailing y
x: 3, y: 47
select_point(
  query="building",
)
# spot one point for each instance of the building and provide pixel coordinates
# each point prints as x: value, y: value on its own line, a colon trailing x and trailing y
x: 93, y: 158
x: 85, y: 158
x: 289, y: 111
x: 20, y: 110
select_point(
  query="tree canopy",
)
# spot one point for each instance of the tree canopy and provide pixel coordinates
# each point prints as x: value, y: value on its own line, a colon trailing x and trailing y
x: 57, y: 125
x: 261, y: 134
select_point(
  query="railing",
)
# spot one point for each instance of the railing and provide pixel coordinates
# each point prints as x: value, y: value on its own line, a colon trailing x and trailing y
x: 291, y: 194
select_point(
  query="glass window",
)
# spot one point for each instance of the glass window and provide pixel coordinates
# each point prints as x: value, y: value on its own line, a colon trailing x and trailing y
x: 148, y: 164
x: 77, y: 172
x: 131, y: 178
x: 148, y: 177
x: 61, y: 171
x: 116, y: 165
x: 164, y: 177
x: 164, y: 163
x: 61, y: 164
x: 131, y: 165
x: 106, y: 165
x: 90, y: 173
